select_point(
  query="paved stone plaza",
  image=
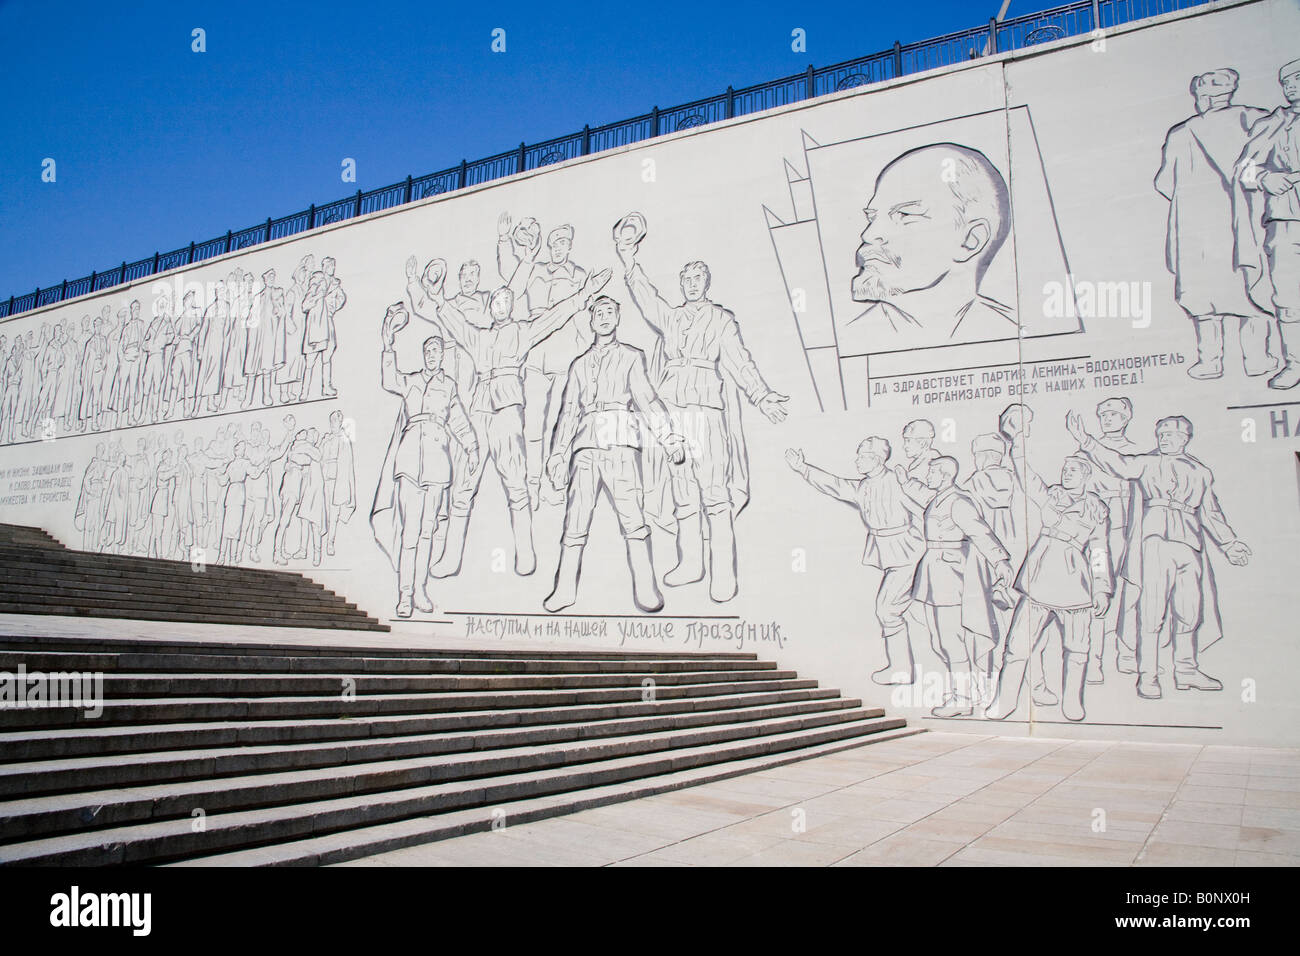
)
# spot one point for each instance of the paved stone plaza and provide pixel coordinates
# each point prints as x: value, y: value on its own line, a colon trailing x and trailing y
x: 935, y: 799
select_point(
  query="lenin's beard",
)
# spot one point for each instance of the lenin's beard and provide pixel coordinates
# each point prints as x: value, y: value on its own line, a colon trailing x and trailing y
x: 869, y: 285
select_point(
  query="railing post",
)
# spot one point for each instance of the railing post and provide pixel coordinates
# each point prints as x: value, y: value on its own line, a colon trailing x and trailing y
x: 1096, y: 15
x: 91, y: 289
x: 731, y: 102
x: 311, y: 217
x: 121, y: 273
x: 993, y: 35
x: 407, y: 197
x: 190, y: 261
x: 586, y: 139
x: 357, y: 212
x: 812, y: 91
x: 63, y: 291
x: 464, y: 174
x: 522, y: 150
x: 654, y: 121
x: 11, y: 306
x: 227, y: 240
x: 898, y: 59
x: 268, y: 229
x: 155, y: 263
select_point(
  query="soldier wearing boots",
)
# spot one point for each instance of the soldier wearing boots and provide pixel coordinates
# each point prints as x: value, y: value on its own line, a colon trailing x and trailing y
x: 1267, y: 219
x: 1065, y: 579
x: 958, y: 598
x: 417, y: 467
x: 597, y: 444
x: 705, y: 369
x: 1195, y: 175
x: 497, y: 405
x: 1167, y: 548
x: 894, y: 543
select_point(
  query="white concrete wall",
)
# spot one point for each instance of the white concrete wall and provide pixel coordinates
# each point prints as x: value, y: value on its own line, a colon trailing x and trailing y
x: 773, y: 204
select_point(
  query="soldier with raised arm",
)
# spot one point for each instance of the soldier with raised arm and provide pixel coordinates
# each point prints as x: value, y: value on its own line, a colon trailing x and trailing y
x: 1065, y: 579
x: 497, y: 405
x: 705, y: 369
x: 1179, y: 510
x: 543, y: 283
x: 417, y: 466
x: 894, y: 543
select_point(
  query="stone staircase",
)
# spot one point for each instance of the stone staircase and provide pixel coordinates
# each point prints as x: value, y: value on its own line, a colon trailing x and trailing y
x: 226, y: 754
x: 38, y: 575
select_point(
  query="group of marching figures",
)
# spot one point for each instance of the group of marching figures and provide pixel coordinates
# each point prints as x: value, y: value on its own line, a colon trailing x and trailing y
x: 532, y: 377
x: 183, y: 499
x: 1113, y: 556
x: 254, y: 343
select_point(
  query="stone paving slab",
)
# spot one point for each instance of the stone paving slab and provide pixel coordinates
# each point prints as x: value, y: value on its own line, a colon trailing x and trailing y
x: 935, y: 799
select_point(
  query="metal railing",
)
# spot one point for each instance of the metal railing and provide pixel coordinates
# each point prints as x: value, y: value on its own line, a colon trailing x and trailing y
x: 1072, y: 19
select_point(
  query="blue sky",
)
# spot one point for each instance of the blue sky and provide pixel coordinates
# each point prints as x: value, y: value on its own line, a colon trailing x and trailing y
x: 156, y: 145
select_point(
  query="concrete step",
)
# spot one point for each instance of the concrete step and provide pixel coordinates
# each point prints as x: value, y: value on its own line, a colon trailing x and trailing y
x: 118, y: 567
x: 132, y: 770
x: 216, y: 601
x: 119, y: 686
x: 148, y: 837
x: 145, y: 662
x: 109, y: 645
x: 353, y: 844
x: 144, y: 614
x: 163, y: 710
x: 40, y: 576
x: 49, y: 815
x: 92, y: 739
x: 27, y: 577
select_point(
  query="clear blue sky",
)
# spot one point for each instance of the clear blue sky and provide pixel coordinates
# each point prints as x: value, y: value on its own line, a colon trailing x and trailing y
x: 156, y: 145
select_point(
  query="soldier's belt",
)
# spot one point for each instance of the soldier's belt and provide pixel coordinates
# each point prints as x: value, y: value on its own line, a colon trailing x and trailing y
x: 609, y: 407
x: 933, y: 545
x: 1170, y: 503
x: 505, y: 373
x: 890, y: 532
x: 424, y: 418
x: 690, y: 363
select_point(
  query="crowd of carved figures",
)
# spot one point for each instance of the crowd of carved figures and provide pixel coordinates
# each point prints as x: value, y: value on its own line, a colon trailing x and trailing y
x: 252, y: 344
x: 531, y: 376
x: 1114, y: 561
x: 255, y: 495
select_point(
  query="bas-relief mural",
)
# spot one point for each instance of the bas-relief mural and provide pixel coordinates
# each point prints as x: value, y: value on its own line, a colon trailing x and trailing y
x: 1033, y: 582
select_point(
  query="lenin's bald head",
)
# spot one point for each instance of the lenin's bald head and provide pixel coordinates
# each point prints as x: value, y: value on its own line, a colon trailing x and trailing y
x: 936, y: 211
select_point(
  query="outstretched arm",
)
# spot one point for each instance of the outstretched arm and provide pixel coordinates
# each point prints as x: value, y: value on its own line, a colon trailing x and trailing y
x: 389, y: 377
x: 1119, y: 465
x: 1216, y: 526
x: 653, y: 307
x: 452, y: 320
x: 823, y: 481
x: 560, y: 313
